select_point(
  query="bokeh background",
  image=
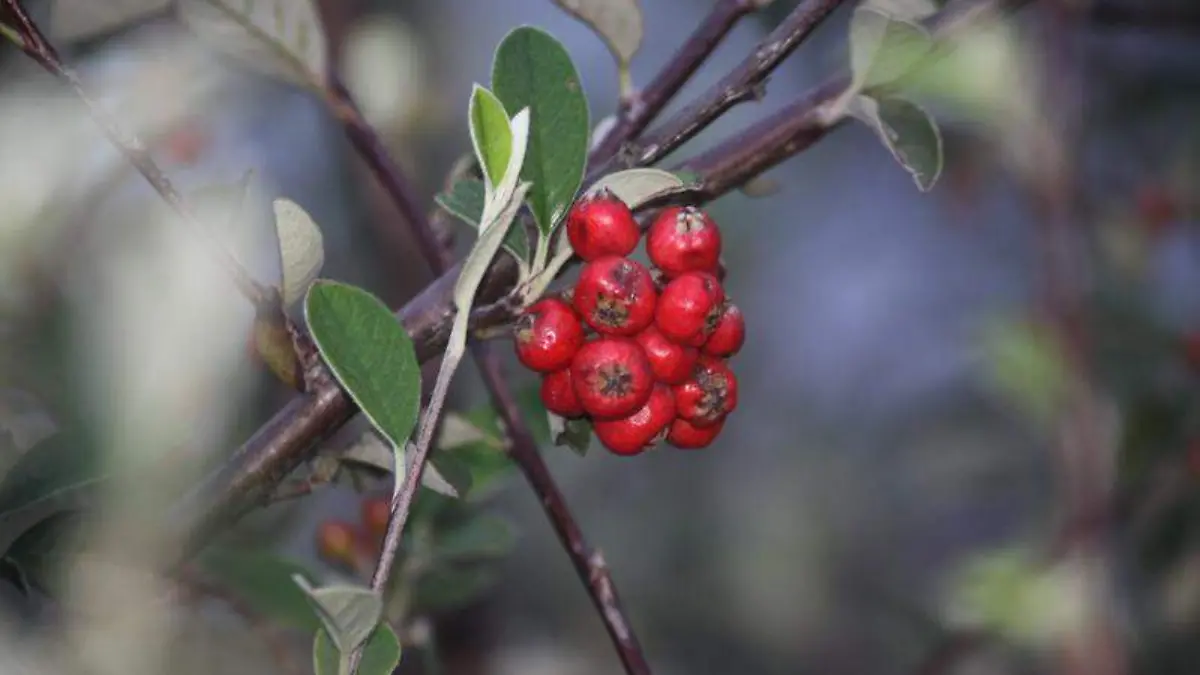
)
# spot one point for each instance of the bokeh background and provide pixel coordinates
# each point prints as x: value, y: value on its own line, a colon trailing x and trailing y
x: 903, y: 458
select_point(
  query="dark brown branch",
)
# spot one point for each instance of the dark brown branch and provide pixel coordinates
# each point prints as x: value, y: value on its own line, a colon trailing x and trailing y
x: 687, y: 60
x: 38, y: 48
x: 745, y: 83
x: 290, y: 437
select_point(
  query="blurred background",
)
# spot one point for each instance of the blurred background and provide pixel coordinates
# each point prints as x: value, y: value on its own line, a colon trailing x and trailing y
x: 969, y: 430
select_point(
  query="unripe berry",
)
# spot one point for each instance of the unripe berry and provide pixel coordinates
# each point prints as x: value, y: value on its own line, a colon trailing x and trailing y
x: 547, y: 335
x: 689, y: 308
x: 684, y: 239
x: 602, y: 225
x: 730, y: 334
x: 671, y: 362
x: 616, y: 296
x: 612, y: 377
x: 709, y: 396
x: 336, y: 542
x: 558, y: 394
x: 376, y: 511
x: 635, y: 433
x: 687, y: 436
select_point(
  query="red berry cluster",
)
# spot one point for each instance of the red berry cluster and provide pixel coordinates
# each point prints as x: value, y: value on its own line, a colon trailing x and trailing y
x: 641, y: 354
x: 355, y: 546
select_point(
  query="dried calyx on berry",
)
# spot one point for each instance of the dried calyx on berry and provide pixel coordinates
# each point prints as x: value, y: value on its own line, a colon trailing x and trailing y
x: 612, y: 377
x: 709, y: 396
x: 690, y: 308
x: 729, y: 334
x: 601, y: 225
x: 615, y: 296
x: 684, y: 239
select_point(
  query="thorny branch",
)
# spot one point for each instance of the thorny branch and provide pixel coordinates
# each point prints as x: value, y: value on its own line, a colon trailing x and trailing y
x: 291, y: 436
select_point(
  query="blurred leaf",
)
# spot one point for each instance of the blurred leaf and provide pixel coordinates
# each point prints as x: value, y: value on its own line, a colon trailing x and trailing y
x: 480, y: 536
x: 491, y: 135
x: 884, y: 47
x: 380, y: 655
x: 532, y: 70
x: 452, y: 587
x: 575, y: 434
x: 446, y: 475
x: 301, y: 249
x: 617, y: 22
x: 39, y: 553
x: 465, y: 200
x: 349, y: 613
x: 903, y: 10
x: 24, y: 419
x: 283, y: 38
x: 638, y: 186
x: 761, y: 186
x: 908, y: 132
x: 60, y: 467
x: 264, y: 582
x: 370, y: 354
x: 1025, y: 364
x: 458, y: 430
x: 80, y: 19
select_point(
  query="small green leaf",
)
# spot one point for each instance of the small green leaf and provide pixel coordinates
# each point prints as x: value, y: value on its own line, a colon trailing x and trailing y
x: 452, y: 472
x: 884, y: 47
x: 370, y: 354
x: 490, y: 134
x: 57, y: 469
x: 380, y: 656
x: 39, y: 553
x: 638, y: 186
x: 617, y: 22
x: 1024, y: 363
x: 264, y: 582
x: 479, y: 537
x: 908, y: 132
x: 465, y: 200
x: 349, y: 613
x: 301, y: 249
x: 533, y: 70
x: 575, y: 434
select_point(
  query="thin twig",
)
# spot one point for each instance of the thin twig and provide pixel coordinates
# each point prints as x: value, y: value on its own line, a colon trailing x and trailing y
x: 38, y: 48
x: 687, y: 60
x: 745, y: 83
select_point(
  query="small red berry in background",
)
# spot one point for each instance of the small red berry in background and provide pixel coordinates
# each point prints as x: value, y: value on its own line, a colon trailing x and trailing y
x: 602, y: 225
x: 1157, y: 208
x: 729, y: 335
x: 709, y: 396
x: 687, y: 436
x: 633, y: 434
x: 671, y: 362
x: 684, y: 239
x: 612, y: 377
x: 558, y: 394
x: 547, y: 336
x: 689, y: 308
x: 615, y: 296
x: 376, y: 511
x: 1191, y: 350
x: 185, y: 144
x: 336, y: 542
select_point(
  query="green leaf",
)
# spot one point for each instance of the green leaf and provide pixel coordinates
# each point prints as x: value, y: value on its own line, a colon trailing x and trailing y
x: 57, y: 469
x: 349, y: 613
x: 380, y: 655
x: 532, y: 70
x: 452, y: 471
x: 617, y: 22
x: 884, y: 47
x: 264, y: 583
x: 453, y: 587
x: 370, y: 354
x: 39, y: 553
x: 465, y: 200
x: 908, y: 132
x: 575, y: 434
x: 490, y: 134
x: 283, y: 38
x: 479, y: 537
x: 301, y: 249
x: 1024, y: 363
x: 638, y: 186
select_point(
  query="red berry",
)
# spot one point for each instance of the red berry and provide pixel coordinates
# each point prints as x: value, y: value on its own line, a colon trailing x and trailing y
x: 376, y: 511
x: 558, y: 394
x: 602, y: 225
x: 547, y: 335
x: 730, y: 334
x: 336, y: 542
x: 612, y: 377
x: 689, y: 308
x: 616, y: 296
x: 709, y: 396
x: 631, y: 435
x: 687, y: 436
x: 671, y: 362
x: 1191, y: 349
x: 684, y: 239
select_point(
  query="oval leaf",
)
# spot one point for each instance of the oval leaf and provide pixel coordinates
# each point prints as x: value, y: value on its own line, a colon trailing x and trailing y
x: 301, y: 249
x: 638, y: 186
x: 491, y: 134
x: 264, y: 583
x: 79, y: 19
x: 283, y: 38
x: 617, y: 22
x: 380, y: 655
x: 532, y: 70
x: 910, y: 134
x: 349, y: 613
x: 884, y: 47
